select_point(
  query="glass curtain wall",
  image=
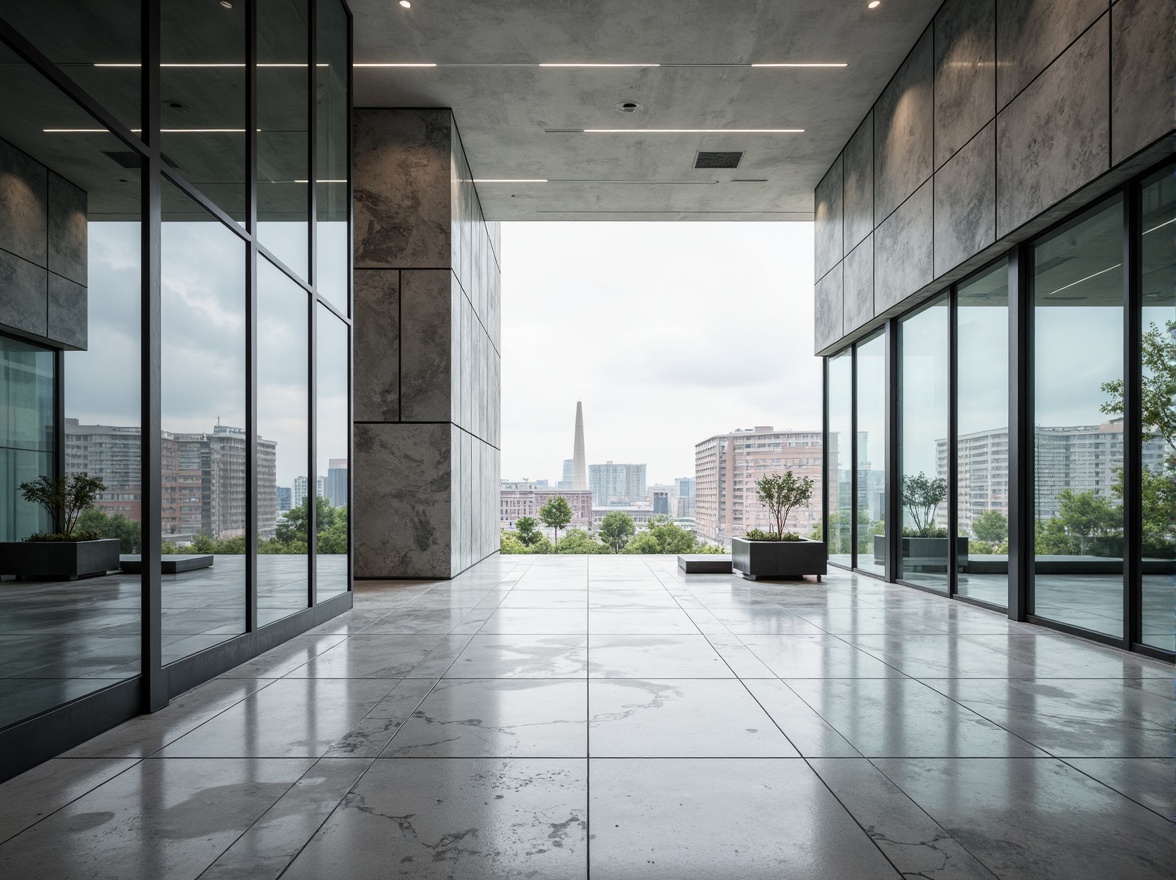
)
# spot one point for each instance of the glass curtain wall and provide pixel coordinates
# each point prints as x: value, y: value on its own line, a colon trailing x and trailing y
x: 1077, y: 296
x: 923, y: 387
x: 839, y: 445
x: 870, y: 465
x: 982, y: 439
x: 1158, y: 381
x: 237, y: 355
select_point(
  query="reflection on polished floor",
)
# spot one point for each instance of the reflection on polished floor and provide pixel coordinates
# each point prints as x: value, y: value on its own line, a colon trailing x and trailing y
x: 562, y: 716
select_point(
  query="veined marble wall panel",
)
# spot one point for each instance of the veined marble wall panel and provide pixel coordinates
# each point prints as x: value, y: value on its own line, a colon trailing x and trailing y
x: 903, y: 119
x: 403, y: 207
x: 829, y: 308
x: 1143, y: 68
x: 403, y: 497
x: 376, y: 341
x: 68, y: 229
x: 857, y: 172
x: 67, y: 320
x: 24, y: 206
x: 24, y: 303
x: 1030, y: 34
x: 1055, y: 136
x: 965, y: 202
x: 859, y: 286
x: 965, y: 73
x: 426, y: 320
x: 827, y: 220
x: 903, y: 255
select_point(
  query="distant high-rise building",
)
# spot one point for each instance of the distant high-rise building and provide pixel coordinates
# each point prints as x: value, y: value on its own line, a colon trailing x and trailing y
x: 285, y: 499
x: 661, y: 502
x: 301, y: 490
x: 336, y: 482
x: 568, y: 474
x: 617, y: 484
x: 726, y: 468
x: 110, y: 453
x: 579, y: 466
x: 685, y: 497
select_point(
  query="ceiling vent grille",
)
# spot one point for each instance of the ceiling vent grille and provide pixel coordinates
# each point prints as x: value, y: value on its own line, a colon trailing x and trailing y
x: 717, y: 160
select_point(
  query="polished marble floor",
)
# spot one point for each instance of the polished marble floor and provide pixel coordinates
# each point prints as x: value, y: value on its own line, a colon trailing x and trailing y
x: 609, y: 717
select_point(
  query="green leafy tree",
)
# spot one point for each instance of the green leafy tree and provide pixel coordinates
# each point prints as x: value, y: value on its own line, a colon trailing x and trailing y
x: 556, y: 514
x: 202, y: 543
x: 510, y: 545
x: 579, y: 541
x: 920, y: 496
x: 99, y: 522
x: 1158, y: 495
x: 1081, y: 518
x: 64, y: 499
x: 991, y: 526
x: 527, y: 530
x: 780, y: 493
x: 616, y: 529
x: 661, y: 536
x: 1158, y: 353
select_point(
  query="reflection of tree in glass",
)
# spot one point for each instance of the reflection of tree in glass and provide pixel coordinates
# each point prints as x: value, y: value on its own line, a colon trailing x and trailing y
x: 991, y: 526
x: 1159, y: 386
x: 920, y: 496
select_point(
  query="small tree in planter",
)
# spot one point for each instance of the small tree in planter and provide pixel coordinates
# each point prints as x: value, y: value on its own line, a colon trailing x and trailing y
x: 64, y: 499
x: 921, y: 496
x: 780, y: 493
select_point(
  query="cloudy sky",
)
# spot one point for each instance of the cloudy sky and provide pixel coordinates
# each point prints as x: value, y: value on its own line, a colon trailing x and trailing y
x: 668, y: 332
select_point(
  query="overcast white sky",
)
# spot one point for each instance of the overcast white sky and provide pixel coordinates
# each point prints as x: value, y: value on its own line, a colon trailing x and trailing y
x: 668, y: 332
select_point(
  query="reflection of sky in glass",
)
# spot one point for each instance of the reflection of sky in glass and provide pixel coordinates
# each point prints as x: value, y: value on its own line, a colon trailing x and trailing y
x: 1077, y: 350
x: 102, y: 383
x: 924, y: 388
x: 331, y: 377
x: 983, y: 380
x: 203, y: 318
x: 282, y: 369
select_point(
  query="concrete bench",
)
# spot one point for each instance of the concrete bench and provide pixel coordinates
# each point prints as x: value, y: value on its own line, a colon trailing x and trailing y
x: 704, y: 563
x: 171, y: 563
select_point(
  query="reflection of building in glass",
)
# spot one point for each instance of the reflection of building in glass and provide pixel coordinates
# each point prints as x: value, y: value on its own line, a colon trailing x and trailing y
x: 285, y: 498
x: 301, y: 489
x: 616, y: 483
x: 336, y: 482
x: 110, y: 453
x: 727, y: 466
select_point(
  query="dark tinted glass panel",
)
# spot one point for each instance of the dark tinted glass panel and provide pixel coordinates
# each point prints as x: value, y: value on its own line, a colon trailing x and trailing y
x: 203, y: 418
x: 96, y: 44
x: 332, y: 372
x: 283, y: 405
x: 871, y: 455
x: 69, y: 276
x: 202, y: 117
x: 924, y: 376
x: 283, y: 145
x: 1159, y: 419
x: 840, y: 458
x: 982, y: 449
x: 333, y: 164
x: 1078, y: 443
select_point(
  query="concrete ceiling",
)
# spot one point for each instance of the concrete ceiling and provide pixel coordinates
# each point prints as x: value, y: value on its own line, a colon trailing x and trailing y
x: 487, y: 54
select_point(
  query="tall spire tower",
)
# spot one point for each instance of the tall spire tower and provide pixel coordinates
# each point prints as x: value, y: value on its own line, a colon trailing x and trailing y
x: 579, y: 466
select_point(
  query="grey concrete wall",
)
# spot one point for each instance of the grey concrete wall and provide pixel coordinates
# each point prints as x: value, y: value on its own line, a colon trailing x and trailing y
x: 427, y: 341
x: 1005, y: 116
x: 43, y: 274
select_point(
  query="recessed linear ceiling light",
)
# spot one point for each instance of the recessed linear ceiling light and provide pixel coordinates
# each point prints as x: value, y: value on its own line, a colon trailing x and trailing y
x: 321, y: 181
x: 139, y: 130
x: 692, y: 131
x: 396, y: 64
x: 797, y: 64
x: 509, y: 180
x: 594, y: 64
x: 230, y: 64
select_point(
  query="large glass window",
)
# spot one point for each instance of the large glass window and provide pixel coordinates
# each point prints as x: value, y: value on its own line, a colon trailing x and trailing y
x: 839, y: 453
x: 203, y: 418
x: 871, y: 455
x: 924, y: 377
x: 283, y: 145
x: 332, y: 373
x: 333, y: 169
x: 1078, y: 443
x: 26, y: 433
x: 283, y: 415
x: 982, y: 444
x: 1158, y: 346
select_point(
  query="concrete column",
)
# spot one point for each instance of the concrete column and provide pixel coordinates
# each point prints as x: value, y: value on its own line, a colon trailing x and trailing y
x: 427, y: 364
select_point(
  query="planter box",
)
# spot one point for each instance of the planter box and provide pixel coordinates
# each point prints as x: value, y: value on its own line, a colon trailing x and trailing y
x: 59, y: 560
x: 923, y: 554
x: 778, y: 559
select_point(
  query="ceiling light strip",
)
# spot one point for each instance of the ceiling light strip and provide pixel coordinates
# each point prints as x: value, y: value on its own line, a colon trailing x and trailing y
x: 693, y: 131
x: 509, y: 180
x: 595, y: 64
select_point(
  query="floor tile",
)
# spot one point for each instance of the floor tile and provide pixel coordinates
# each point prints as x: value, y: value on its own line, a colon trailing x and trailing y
x: 536, y: 621
x: 48, y: 787
x: 689, y: 656
x: 639, y: 621
x: 1147, y: 781
x: 815, y: 656
x: 514, y: 656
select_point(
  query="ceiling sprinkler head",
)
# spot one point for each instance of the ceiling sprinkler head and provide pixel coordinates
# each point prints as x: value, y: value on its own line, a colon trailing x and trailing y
x: 628, y: 107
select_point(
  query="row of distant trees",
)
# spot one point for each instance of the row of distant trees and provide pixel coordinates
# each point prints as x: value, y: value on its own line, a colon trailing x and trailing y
x: 617, y: 534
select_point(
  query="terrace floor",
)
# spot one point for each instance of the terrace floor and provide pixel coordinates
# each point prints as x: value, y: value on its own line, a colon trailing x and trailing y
x: 567, y: 717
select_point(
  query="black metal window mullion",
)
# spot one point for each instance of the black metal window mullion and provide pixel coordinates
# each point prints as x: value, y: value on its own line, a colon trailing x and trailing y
x: 1133, y: 416
x: 827, y: 494
x: 953, y: 441
x: 251, y: 419
x: 853, y: 459
x: 312, y: 478
x: 312, y: 302
x: 1020, y: 448
x: 312, y: 142
x: 893, y: 465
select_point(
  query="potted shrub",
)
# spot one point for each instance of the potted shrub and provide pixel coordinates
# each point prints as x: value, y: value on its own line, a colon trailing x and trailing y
x: 924, y: 545
x: 66, y: 552
x: 779, y: 554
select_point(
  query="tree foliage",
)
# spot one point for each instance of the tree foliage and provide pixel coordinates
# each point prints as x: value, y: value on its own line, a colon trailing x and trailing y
x: 579, y: 541
x: 991, y: 526
x: 1159, y: 386
x: 920, y: 496
x: 527, y: 530
x: 662, y: 536
x: 556, y: 514
x: 780, y: 493
x: 64, y: 499
x: 1082, y: 525
x: 106, y: 525
x: 616, y: 529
